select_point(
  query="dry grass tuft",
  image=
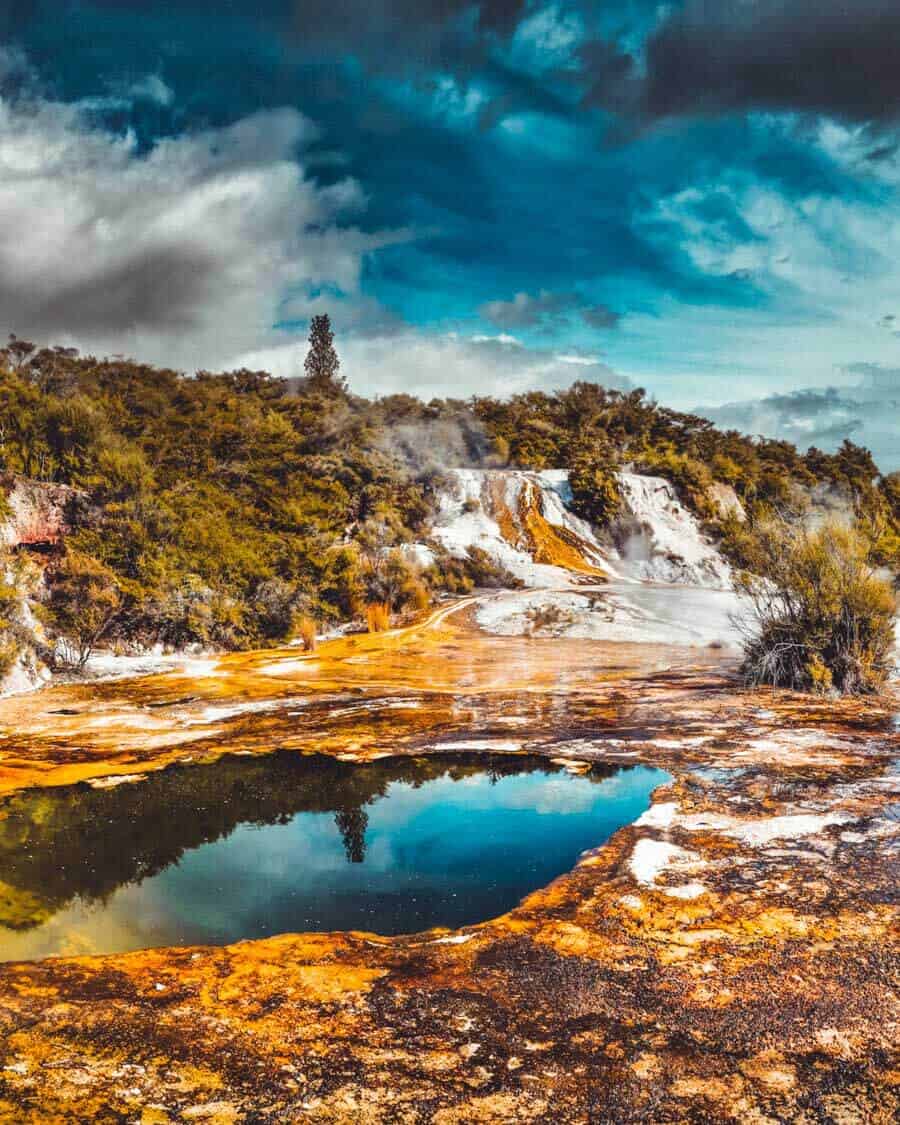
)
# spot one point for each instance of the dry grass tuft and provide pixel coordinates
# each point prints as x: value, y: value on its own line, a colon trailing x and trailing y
x: 306, y: 631
x: 378, y: 617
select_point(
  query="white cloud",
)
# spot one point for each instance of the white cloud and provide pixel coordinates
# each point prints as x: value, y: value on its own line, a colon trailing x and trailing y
x: 816, y: 277
x: 578, y: 360
x: 544, y: 310
x: 152, y: 89
x: 182, y: 254
x: 866, y: 412
x: 548, y: 312
x: 547, y: 39
x: 447, y: 365
x: 804, y: 251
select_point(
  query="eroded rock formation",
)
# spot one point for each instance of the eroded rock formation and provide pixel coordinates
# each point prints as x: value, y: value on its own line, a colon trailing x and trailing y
x: 37, y: 513
x: 523, y: 520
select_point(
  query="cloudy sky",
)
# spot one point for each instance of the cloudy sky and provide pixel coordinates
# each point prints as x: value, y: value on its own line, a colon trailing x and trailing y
x: 701, y: 198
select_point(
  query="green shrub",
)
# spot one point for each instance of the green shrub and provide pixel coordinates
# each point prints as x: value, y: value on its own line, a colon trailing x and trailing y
x: 450, y: 574
x: 821, y: 617
x: 378, y: 617
x: 10, y: 651
x: 461, y: 576
x: 306, y: 631
x: 596, y: 495
x: 276, y: 606
x: 690, y: 477
x: 488, y: 573
x: 83, y: 601
x: 389, y: 578
x: 222, y: 503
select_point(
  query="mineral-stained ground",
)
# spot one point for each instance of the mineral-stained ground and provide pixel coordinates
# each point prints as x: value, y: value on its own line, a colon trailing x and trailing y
x: 731, y: 956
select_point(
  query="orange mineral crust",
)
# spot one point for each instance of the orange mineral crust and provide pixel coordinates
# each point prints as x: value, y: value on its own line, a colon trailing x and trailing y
x: 730, y: 956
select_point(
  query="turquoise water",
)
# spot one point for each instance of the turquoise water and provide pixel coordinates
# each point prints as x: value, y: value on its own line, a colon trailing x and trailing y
x: 250, y: 848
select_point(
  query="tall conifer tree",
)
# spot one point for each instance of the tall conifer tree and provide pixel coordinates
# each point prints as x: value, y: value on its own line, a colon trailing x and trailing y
x: 322, y: 363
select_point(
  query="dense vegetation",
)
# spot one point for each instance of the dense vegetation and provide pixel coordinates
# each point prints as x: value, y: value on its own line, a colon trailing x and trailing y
x: 822, y: 594
x: 236, y: 509
x: 220, y: 509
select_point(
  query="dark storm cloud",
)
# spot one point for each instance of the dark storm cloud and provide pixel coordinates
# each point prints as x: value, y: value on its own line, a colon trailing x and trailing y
x: 163, y: 289
x: 182, y: 254
x: 712, y: 56
x: 810, y: 405
x: 806, y: 417
x: 543, y: 310
x: 316, y: 14
x: 369, y: 27
x: 407, y: 39
x: 796, y: 409
x: 13, y: 15
x: 417, y: 39
x: 599, y: 316
x: 547, y: 312
x: 349, y: 21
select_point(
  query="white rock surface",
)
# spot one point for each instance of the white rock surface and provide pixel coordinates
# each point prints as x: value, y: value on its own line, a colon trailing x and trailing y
x: 617, y: 612
x: 469, y: 517
x: 651, y: 858
x: 659, y: 540
x: 663, y: 582
x: 656, y: 539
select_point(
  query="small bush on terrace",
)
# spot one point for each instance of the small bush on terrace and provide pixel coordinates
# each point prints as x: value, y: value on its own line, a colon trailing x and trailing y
x: 477, y: 570
x: 596, y: 495
x: 822, y: 618
x: 545, y: 618
x: 10, y: 601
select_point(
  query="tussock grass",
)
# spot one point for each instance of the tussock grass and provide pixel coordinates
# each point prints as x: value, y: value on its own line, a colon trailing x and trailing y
x: 378, y: 617
x: 306, y: 631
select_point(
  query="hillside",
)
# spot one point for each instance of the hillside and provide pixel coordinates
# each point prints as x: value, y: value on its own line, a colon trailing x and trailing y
x: 220, y: 510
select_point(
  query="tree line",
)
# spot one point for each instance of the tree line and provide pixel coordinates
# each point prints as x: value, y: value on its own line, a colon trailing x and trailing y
x: 236, y: 509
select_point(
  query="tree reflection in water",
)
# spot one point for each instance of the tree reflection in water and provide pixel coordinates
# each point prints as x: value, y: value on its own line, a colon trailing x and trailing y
x: 59, y: 844
x: 351, y: 824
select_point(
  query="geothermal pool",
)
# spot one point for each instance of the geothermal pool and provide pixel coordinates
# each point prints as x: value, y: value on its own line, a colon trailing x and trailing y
x: 247, y: 848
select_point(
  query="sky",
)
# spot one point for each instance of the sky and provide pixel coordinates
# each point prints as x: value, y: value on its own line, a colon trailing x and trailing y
x: 699, y: 198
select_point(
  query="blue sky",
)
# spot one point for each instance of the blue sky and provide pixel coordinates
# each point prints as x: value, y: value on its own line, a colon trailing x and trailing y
x: 699, y: 198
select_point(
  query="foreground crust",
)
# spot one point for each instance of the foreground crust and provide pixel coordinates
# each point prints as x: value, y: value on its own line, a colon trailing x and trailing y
x: 732, y: 956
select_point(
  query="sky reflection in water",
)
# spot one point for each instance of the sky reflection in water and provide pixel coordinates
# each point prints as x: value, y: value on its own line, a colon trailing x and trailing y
x: 250, y: 848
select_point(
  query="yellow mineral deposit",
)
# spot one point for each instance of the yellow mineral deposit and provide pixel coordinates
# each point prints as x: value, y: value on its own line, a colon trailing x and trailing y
x: 551, y: 543
x: 250, y: 701
x: 528, y: 529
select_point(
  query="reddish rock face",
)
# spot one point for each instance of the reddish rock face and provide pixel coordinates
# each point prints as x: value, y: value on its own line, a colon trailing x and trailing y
x: 37, y: 513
